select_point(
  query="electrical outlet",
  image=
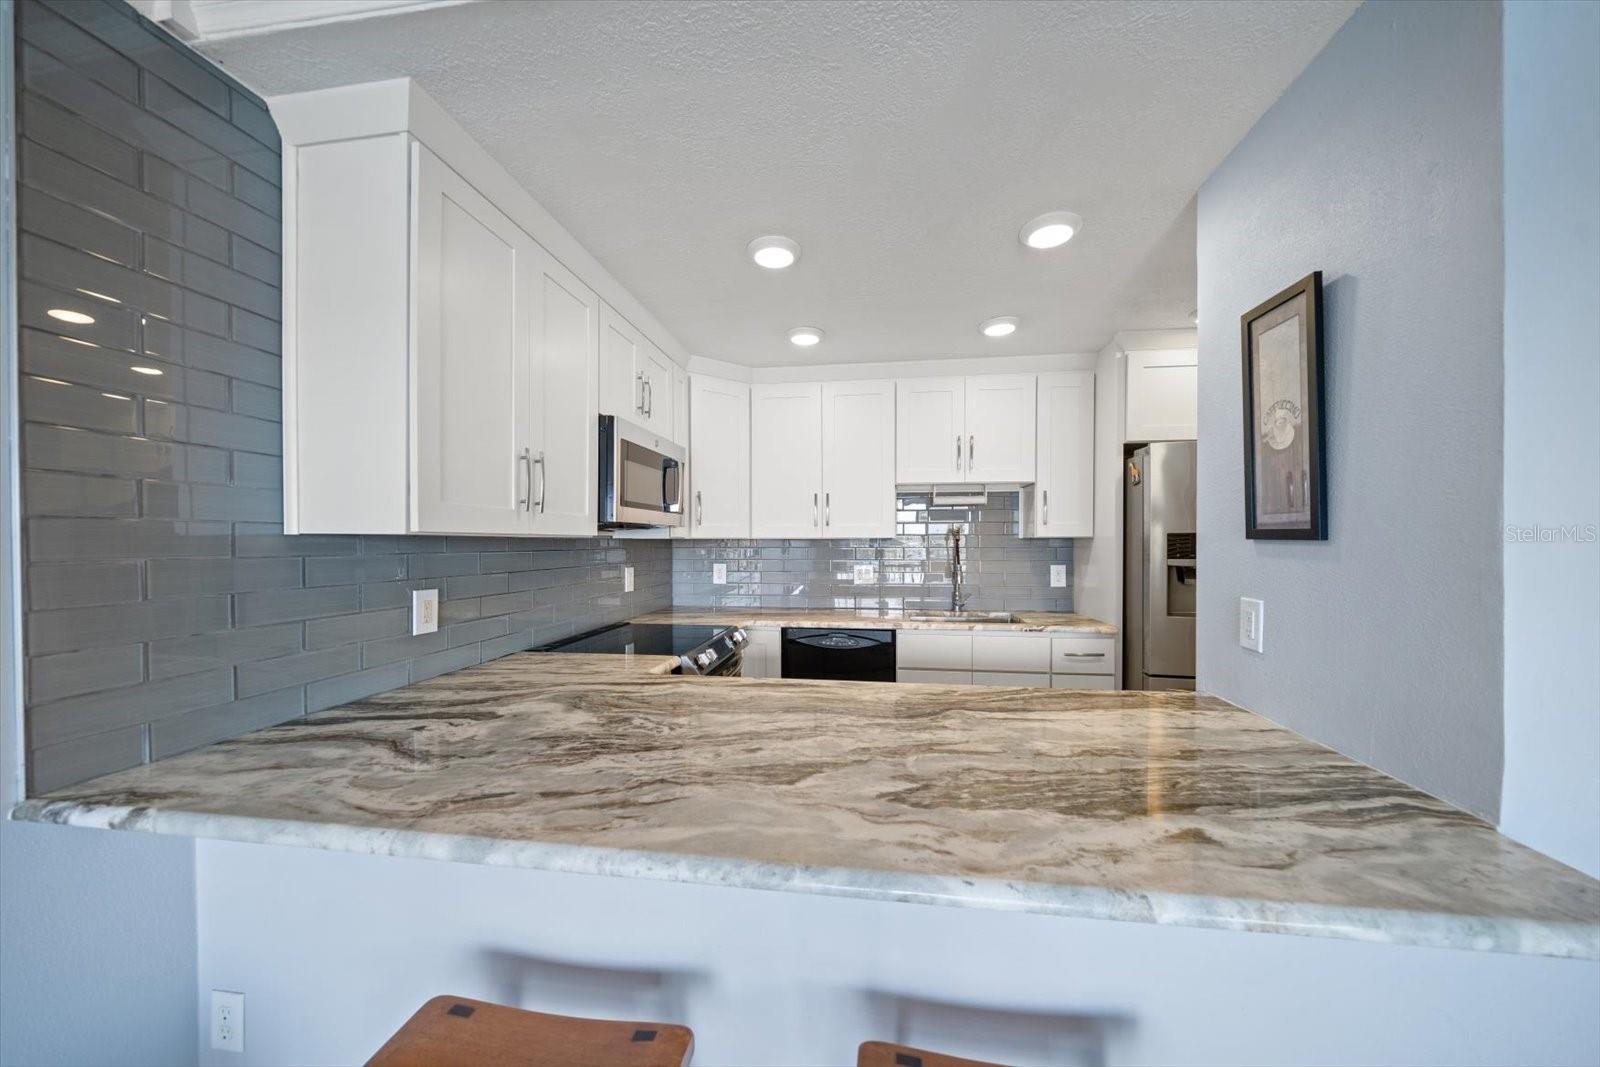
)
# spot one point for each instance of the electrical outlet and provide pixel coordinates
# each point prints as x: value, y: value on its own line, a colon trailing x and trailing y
x: 719, y: 574
x: 424, y: 611
x: 866, y: 573
x: 1058, y: 575
x: 1252, y: 622
x: 227, y: 1020
x: 627, y: 578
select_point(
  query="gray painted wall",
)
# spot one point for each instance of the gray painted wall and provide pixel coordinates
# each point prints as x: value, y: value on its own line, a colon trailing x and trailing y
x: 1551, y: 794
x: 1003, y: 571
x: 1379, y: 166
x: 165, y: 609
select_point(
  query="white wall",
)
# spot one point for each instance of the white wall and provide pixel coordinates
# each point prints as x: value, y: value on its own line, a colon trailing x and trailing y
x: 1379, y: 166
x: 333, y: 951
x: 1551, y: 792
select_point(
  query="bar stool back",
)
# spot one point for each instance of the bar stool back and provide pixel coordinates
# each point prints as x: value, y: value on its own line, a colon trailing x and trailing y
x: 885, y: 1054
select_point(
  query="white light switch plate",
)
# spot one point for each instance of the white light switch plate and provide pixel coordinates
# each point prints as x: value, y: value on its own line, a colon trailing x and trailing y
x: 866, y: 573
x: 627, y: 579
x: 1058, y: 575
x: 1252, y: 621
x: 227, y: 1020
x: 424, y: 611
x: 719, y: 574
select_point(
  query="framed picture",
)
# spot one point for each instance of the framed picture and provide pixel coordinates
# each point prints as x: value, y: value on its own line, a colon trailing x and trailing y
x: 1285, y: 458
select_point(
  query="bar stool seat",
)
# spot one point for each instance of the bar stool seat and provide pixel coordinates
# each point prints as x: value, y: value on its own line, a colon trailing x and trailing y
x: 461, y: 1032
x: 885, y: 1054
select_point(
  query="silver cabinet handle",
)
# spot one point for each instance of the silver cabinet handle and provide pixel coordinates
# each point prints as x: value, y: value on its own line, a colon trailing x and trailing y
x: 972, y: 451
x: 649, y: 398
x: 813, y: 509
x: 699, y: 509
x: 525, y: 466
x: 1046, y: 507
x: 1083, y: 655
x: 544, y: 479
x: 958, y: 451
x: 638, y: 379
x: 827, y: 509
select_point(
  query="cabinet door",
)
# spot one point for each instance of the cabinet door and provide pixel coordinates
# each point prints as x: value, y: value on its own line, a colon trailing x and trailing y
x: 719, y: 458
x: 621, y: 367
x: 1063, y: 496
x: 1162, y: 396
x: 565, y: 401
x: 656, y: 380
x: 472, y: 352
x: 786, y: 460
x: 858, y: 459
x: 930, y: 430
x: 680, y: 405
x: 1000, y: 428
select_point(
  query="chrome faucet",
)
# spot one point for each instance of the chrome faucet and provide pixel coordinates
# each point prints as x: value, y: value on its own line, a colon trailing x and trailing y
x: 958, y: 592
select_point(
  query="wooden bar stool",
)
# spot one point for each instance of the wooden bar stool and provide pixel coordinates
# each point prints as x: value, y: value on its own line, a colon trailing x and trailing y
x: 884, y: 1054
x: 459, y: 1032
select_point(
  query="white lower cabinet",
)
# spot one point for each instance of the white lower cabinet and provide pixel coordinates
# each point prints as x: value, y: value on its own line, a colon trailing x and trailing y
x: 998, y: 658
x: 719, y: 458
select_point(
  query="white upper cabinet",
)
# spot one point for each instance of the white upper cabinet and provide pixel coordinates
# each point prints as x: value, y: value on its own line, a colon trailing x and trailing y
x: 680, y: 405
x: 786, y: 458
x: 930, y: 429
x: 635, y: 376
x: 564, y: 460
x: 977, y: 429
x: 719, y: 458
x: 1162, y: 396
x: 823, y: 459
x: 473, y: 357
x: 858, y: 431
x: 1062, y: 503
x: 1000, y: 428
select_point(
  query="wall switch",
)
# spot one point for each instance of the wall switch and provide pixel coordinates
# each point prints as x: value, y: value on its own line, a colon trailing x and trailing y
x: 1252, y: 621
x: 424, y: 611
x: 1058, y: 575
x: 719, y: 574
x: 866, y: 573
x: 627, y: 578
x: 227, y: 1020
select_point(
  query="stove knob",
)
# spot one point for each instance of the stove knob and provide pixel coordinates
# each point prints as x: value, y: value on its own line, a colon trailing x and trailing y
x: 704, y: 660
x: 739, y: 637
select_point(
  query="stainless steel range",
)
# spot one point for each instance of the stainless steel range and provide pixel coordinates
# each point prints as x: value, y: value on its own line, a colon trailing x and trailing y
x: 700, y: 649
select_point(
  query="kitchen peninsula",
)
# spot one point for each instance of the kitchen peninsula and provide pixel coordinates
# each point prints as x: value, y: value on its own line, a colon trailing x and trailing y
x: 1167, y: 808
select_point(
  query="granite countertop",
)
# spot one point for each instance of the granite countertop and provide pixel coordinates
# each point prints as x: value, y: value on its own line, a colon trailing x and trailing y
x: 1168, y: 807
x: 1052, y: 622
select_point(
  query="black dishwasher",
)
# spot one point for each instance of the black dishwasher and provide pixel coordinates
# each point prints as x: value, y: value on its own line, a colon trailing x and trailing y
x: 840, y: 655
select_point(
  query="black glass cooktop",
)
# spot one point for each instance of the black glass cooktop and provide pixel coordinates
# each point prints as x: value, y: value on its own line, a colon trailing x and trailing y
x: 645, y: 639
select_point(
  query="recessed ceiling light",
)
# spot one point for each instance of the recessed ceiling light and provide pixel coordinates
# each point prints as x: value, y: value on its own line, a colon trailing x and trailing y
x: 1000, y: 326
x: 805, y: 336
x: 152, y: 371
x: 773, y: 252
x: 1051, y: 230
x: 77, y: 318
x: 99, y: 296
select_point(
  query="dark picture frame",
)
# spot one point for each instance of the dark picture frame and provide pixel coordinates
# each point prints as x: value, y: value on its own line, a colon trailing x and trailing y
x: 1285, y: 450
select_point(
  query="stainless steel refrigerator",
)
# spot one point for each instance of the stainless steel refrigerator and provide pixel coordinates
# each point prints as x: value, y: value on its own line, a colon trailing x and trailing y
x: 1158, y: 563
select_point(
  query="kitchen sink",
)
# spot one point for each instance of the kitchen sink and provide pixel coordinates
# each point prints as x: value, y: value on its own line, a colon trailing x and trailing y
x: 960, y: 616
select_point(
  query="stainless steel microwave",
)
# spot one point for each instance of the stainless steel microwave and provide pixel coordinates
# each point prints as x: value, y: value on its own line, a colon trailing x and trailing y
x: 641, y: 477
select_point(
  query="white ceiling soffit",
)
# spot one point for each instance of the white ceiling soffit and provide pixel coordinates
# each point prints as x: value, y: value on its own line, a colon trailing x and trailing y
x: 210, y: 20
x: 902, y: 144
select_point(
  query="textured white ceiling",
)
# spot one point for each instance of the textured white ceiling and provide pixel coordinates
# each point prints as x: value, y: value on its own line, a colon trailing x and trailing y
x: 902, y: 144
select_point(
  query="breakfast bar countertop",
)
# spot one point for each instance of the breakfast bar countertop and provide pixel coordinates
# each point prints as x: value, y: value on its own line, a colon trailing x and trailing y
x: 1050, y: 622
x: 1170, y: 808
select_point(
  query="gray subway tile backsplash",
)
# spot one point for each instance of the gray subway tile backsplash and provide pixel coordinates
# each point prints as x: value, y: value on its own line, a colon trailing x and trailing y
x: 1003, y: 570
x: 165, y: 607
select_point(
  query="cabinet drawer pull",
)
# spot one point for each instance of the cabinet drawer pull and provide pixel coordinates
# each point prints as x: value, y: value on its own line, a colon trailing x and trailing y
x: 1083, y: 655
